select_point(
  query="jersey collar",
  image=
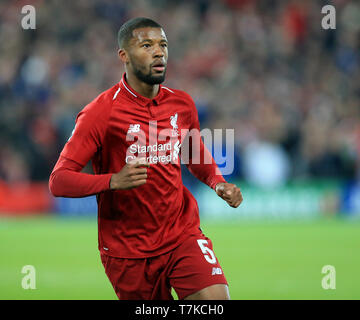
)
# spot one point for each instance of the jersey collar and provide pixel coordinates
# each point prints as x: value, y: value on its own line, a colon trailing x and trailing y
x: 133, y: 95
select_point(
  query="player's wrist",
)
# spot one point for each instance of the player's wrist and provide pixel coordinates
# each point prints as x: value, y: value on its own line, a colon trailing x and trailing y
x: 218, y: 185
x: 112, y: 184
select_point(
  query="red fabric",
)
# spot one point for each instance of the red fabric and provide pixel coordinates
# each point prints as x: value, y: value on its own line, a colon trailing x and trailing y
x: 295, y: 21
x: 151, y: 219
x: 67, y: 180
x: 24, y: 198
x: 185, y: 269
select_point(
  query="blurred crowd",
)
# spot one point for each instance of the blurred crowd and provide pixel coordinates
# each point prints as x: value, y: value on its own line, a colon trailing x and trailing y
x: 290, y: 89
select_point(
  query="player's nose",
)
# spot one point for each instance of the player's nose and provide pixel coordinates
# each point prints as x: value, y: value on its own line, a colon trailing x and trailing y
x: 158, y: 52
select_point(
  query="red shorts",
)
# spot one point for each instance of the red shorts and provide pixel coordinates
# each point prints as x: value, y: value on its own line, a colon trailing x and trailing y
x: 188, y: 268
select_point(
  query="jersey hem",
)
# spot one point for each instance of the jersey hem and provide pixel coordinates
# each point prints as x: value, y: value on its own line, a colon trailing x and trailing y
x: 155, y: 254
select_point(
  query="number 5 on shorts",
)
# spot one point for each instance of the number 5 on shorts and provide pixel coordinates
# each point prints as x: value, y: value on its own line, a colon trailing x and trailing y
x: 208, y: 253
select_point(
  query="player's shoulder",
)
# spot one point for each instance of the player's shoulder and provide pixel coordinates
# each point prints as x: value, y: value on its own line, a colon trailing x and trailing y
x: 180, y: 94
x: 103, y: 102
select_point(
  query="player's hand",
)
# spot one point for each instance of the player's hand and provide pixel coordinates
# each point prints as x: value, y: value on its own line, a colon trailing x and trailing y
x: 132, y: 175
x: 230, y: 193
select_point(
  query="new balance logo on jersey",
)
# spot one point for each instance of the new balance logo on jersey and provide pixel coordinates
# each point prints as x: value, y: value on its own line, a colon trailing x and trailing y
x: 216, y: 271
x: 134, y: 128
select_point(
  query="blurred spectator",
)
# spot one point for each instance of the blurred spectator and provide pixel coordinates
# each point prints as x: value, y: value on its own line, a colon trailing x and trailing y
x: 266, y: 165
x: 290, y: 89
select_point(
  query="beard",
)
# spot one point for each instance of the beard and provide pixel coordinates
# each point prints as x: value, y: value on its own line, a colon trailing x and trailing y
x: 148, y: 78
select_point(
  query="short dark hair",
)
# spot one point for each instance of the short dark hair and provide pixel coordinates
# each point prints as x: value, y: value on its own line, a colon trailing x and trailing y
x: 126, y: 30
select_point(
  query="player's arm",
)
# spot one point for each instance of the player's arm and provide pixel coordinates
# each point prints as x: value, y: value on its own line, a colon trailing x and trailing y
x: 66, y: 180
x: 203, y: 166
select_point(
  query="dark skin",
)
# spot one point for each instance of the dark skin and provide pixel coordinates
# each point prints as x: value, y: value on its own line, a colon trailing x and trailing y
x: 147, y: 52
x: 147, y: 47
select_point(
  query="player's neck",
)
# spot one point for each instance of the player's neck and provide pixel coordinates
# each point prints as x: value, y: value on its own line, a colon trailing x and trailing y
x: 146, y: 90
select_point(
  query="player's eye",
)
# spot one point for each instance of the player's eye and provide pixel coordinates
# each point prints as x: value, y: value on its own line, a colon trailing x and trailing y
x: 146, y: 45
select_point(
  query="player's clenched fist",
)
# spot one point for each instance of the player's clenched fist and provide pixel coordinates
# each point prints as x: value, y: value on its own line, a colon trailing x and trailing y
x: 230, y: 193
x: 132, y: 175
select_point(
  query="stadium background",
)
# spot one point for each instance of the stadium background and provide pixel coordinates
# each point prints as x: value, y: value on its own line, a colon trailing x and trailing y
x: 290, y: 89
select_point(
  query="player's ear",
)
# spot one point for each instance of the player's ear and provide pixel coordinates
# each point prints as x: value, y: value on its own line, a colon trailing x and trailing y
x: 123, y: 56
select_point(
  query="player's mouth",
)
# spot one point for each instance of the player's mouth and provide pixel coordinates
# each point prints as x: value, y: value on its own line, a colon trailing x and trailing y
x: 158, y: 66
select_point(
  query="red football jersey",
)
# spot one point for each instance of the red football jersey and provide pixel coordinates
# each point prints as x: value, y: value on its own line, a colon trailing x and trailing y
x: 117, y: 127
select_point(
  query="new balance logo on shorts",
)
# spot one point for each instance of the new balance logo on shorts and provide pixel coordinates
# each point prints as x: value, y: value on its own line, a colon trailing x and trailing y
x: 216, y: 271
